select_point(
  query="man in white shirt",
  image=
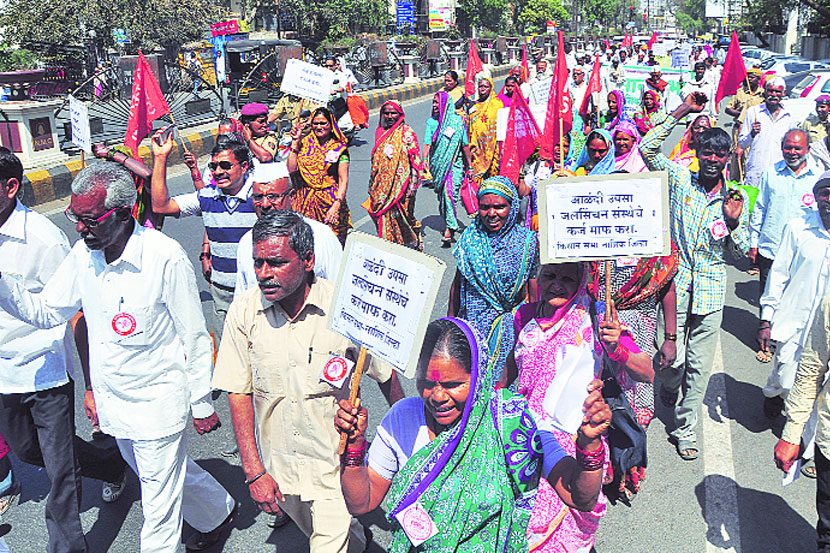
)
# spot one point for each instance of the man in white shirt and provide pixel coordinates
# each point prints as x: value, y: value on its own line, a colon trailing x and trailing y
x: 785, y: 192
x: 272, y: 190
x: 763, y: 129
x: 797, y: 281
x: 700, y: 83
x: 150, y: 354
x: 37, y: 394
x: 578, y: 87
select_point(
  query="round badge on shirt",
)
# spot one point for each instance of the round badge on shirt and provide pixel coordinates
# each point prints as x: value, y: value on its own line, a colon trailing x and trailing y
x: 123, y: 324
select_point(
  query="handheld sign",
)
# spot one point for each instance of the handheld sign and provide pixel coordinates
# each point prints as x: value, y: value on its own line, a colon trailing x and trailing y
x: 79, y: 118
x: 541, y: 91
x: 604, y: 217
x: 308, y: 81
x: 383, y: 300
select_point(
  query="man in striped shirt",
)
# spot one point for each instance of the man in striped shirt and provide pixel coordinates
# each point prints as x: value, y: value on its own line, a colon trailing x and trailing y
x: 226, y: 207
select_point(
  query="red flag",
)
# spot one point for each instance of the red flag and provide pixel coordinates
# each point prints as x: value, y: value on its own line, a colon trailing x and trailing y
x: 523, y: 137
x: 607, y: 44
x: 734, y: 71
x: 594, y: 85
x: 559, y: 113
x: 474, y: 67
x: 625, y: 40
x: 146, y: 105
x: 652, y: 40
x: 525, y: 66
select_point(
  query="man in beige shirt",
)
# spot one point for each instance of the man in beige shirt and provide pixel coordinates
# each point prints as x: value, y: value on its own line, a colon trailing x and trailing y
x: 809, y: 385
x: 271, y: 362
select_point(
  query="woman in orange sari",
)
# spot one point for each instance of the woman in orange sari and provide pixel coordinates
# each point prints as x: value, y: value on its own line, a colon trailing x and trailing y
x: 396, y: 174
x: 484, y: 149
x: 684, y: 152
x: 319, y: 163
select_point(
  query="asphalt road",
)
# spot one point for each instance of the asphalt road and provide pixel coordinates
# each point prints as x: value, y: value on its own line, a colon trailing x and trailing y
x: 730, y: 499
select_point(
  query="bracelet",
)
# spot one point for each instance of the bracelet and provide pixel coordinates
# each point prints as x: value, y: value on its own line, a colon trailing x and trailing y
x: 204, y: 255
x: 591, y: 460
x: 669, y: 336
x: 355, y: 457
x: 255, y: 478
x: 620, y: 355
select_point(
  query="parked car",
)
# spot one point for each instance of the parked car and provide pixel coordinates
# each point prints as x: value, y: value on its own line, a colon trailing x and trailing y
x: 794, y: 80
x: 812, y: 85
x: 781, y: 67
x: 800, y: 108
x: 755, y: 55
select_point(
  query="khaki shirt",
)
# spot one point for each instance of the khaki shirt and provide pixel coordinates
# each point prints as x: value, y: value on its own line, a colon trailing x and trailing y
x: 278, y: 359
x: 815, y: 127
x: 743, y: 100
x: 809, y: 383
x: 269, y: 142
x: 288, y: 107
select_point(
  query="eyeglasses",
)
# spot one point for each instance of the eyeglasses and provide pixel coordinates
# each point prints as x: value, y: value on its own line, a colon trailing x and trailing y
x: 88, y: 223
x: 225, y: 165
x: 258, y: 198
x: 330, y: 66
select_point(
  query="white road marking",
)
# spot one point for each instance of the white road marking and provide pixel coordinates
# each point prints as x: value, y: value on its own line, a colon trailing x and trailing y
x: 721, y: 495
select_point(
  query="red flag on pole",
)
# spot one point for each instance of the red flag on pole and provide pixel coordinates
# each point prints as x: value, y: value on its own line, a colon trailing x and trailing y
x: 559, y: 118
x: 146, y: 105
x: 734, y: 71
x: 652, y: 40
x: 594, y: 85
x: 474, y: 67
x: 523, y: 137
x: 625, y: 40
x: 607, y: 44
x: 525, y: 66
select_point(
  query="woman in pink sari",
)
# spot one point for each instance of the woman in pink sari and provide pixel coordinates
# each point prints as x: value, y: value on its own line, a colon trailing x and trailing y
x: 626, y: 148
x: 553, y: 335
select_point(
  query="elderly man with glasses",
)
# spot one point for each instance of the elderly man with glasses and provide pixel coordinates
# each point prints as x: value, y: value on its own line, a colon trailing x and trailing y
x: 150, y: 355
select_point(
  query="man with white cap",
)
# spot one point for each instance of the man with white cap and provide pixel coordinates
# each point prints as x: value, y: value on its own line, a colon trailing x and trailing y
x: 763, y: 130
x: 272, y: 189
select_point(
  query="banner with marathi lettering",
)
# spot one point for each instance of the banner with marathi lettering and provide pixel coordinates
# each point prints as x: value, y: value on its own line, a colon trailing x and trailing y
x: 384, y: 298
x: 635, y: 81
x: 604, y: 217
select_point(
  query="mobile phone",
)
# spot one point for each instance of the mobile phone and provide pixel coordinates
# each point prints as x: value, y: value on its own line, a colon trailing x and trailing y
x: 168, y: 130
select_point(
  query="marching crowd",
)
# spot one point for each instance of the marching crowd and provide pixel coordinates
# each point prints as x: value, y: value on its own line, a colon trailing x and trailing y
x: 475, y: 462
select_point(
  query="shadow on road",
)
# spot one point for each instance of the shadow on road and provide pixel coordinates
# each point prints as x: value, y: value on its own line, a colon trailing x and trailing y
x: 748, y: 291
x: 742, y: 324
x: 742, y: 403
x: 766, y: 524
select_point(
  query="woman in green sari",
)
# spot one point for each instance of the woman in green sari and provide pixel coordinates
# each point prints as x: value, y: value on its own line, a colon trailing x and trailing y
x: 447, y: 149
x: 461, y: 463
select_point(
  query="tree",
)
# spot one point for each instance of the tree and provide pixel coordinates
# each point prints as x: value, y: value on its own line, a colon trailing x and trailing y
x: 604, y: 11
x: 153, y: 23
x: 691, y: 16
x: 762, y: 15
x: 534, y: 15
x: 486, y: 14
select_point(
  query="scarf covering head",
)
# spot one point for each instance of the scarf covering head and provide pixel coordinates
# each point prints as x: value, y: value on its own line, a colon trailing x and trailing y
x: 621, y: 114
x: 475, y: 479
x: 683, y: 153
x: 445, y: 149
x: 483, y: 144
x: 382, y: 133
x: 315, y: 159
x: 495, y: 267
x: 632, y: 162
x: 655, y: 96
x: 606, y: 164
x: 568, y: 339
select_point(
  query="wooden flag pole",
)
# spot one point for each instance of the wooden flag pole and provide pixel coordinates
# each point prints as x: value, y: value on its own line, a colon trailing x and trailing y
x: 83, y: 161
x: 353, y: 391
x: 608, y: 269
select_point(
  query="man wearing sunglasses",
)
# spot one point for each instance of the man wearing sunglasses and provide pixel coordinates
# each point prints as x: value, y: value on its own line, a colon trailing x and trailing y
x: 37, y: 392
x: 226, y: 207
x: 272, y: 190
x: 150, y: 353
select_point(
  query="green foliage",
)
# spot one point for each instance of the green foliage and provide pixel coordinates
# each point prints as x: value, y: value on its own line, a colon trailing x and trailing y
x: 691, y: 16
x: 762, y: 15
x: 604, y: 11
x: 326, y: 20
x: 486, y: 14
x: 17, y: 59
x: 535, y: 14
x: 153, y: 23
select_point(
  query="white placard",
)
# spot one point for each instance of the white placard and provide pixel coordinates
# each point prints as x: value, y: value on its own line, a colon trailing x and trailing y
x: 308, y: 81
x: 384, y: 298
x: 537, y: 110
x: 604, y: 217
x: 541, y: 91
x: 79, y: 118
x: 568, y: 391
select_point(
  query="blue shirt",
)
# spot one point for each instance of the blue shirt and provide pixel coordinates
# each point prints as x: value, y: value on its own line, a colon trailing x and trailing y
x: 782, y: 196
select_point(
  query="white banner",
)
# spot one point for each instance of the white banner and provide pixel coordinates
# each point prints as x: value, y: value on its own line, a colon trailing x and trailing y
x: 384, y: 298
x: 79, y: 118
x: 604, y: 217
x: 308, y: 81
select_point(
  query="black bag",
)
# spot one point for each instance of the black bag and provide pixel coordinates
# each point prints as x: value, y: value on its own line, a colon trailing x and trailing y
x: 626, y: 438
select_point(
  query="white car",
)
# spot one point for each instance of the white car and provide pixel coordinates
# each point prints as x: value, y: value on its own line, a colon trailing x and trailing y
x: 781, y: 67
x: 753, y: 56
x: 812, y: 85
x: 799, y: 107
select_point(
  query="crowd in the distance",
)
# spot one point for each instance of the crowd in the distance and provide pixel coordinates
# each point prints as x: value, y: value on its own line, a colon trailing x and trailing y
x: 481, y: 459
